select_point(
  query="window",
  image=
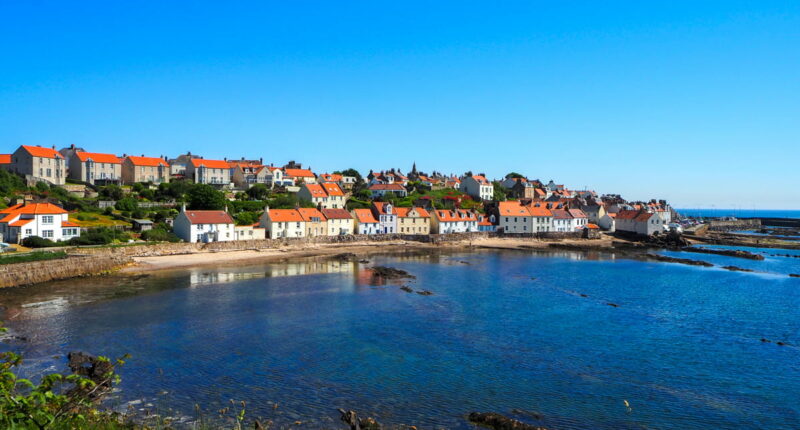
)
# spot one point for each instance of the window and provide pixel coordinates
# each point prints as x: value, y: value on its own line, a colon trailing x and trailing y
x: 47, y: 233
x: 28, y: 231
x: 47, y: 219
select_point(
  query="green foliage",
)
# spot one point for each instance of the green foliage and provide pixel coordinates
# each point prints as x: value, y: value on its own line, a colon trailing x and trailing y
x: 138, y: 187
x: 108, y: 211
x: 247, y: 206
x: 173, y: 190
x: 33, y: 256
x: 139, y: 213
x: 288, y: 201
x: 42, y: 187
x: 258, y: 192
x: 127, y: 204
x: 246, y: 218
x: 350, y: 172
x: 357, y: 204
x: 39, y: 242
x: 500, y: 193
x: 148, y: 194
x: 9, y: 183
x: 100, y: 236
x: 160, y: 235
x: 58, y: 401
x: 205, y: 197
x: 111, y: 192
x: 86, y: 217
x: 514, y: 175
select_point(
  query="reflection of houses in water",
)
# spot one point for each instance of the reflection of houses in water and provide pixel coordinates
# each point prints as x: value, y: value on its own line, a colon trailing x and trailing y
x: 588, y: 255
x: 202, y: 277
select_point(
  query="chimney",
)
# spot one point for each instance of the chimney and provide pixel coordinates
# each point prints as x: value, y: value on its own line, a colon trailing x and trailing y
x: 226, y: 158
x: 54, y: 147
x: 183, y: 207
x: 261, y: 160
x: 124, y: 155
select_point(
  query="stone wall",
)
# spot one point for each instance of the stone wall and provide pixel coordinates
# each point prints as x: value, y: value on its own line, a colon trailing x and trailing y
x: 716, y: 225
x: 13, y: 275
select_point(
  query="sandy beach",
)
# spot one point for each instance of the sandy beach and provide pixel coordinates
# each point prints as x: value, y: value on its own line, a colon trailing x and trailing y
x: 165, y: 262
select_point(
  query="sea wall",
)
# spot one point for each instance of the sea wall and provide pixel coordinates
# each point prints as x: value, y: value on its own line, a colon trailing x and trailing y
x: 717, y: 225
x: 13, y: 275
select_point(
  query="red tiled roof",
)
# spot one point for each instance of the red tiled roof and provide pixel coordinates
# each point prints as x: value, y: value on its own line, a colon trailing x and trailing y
x: 380, y: 207
x: 577, y: 213
x: 31, y: 209
x: 147, y: 161
x: 98, y: 157
x: 309, y: 213
x: 592, y: 226
x: 626, y: 214
x: 336, y: 214
x: 364, y: 216
x: 405, y: 212
x: 481, y: 179
x: 539, y: 210
x: 38, y: 151
x: 561, y: 214
x: 512, y: 209
x: 316, y: 190
x: 285, y: 215
x: 5, y: 158
x: 386, y: 187
x: 20, y: 222
x: 68, y: 224
x: 208, y: 217
x: 210, y: 164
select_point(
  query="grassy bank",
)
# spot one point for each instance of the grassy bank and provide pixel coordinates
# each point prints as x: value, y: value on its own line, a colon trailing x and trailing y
x: 33, y: 256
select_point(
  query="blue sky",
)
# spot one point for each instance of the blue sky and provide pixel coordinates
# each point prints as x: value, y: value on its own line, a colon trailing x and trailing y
x: 695, y: 102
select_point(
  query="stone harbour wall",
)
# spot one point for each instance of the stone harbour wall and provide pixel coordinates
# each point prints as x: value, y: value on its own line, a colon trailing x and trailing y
x: 13, y: 275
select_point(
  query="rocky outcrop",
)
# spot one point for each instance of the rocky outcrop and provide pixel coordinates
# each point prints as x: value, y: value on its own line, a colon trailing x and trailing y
x: 726, y: 252
x: 351, y: 419
x: 690, y: 262
x: 384, y: 272
x: 500, y: 422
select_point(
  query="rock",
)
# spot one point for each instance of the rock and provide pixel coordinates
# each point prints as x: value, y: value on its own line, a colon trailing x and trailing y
x: 92, y: 368
x: 765, y: 340
x: 407, y: 289
x: 500, y: 422
x: 346, y: 256
x: 780, y: 343
x: 736, y: 269
x: 794, y: 275
x: 465, y: 262
x: 584, y: 295
x: 613, y: 305
x: 390, y: 273
x: 365, y: 261
x: 725, y: 252
x: 690, y: 262
x: 424, y: 293
x: 532, y: 414
x: 351, y: 419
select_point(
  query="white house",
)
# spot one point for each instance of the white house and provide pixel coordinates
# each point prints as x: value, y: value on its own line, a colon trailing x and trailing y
x: 249, y: 232
x: 562, y: 220
x: 45, y: 220
x: 283, y: 223
x: 514, y: 217
x: 643, y: 222
x: 386, y: 216
x: 445, y: 221
x: 340, y: 222
x: 327, y: 195
x: 478, y: 187
x: 365, y: 221
x: 541, y: 217
x: 203, y: 226
x: 579, y: 219
x: 608, y: 222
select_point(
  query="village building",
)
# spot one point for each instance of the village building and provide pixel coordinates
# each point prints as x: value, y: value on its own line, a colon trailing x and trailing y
x: 315, y: 222
x: 44, y: 220
x: 249, y: 232
x: 562, y: 220
x: 524, y: 190
x: 487, y: 222
x: 365, y: 221
x: 298, y: 176
x: 326, y: 195
x: 453, y: 221
x: 477, y: 187
x: 203, y: 226
x: 211, y: 172
x: 380, y: 190
x: 244, y: 173
x: 579, y: 219
x: 608, y: 222
x: 343, y: 181
x: 415, y: 220
x: 95, y: 168
x: 541, y: 217
x: 145, y: 169
x: 514, y: 217
x: 37, y: 164
x: 340, y: 222
x: 387, y: 217
x: 281, y: 223
x: 643, y: 222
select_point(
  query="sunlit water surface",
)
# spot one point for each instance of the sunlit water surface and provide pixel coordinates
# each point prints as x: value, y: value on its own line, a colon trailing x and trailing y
x: 508, y: 332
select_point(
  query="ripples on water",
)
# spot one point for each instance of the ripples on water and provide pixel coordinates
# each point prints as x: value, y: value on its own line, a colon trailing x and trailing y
x: 503, y: 331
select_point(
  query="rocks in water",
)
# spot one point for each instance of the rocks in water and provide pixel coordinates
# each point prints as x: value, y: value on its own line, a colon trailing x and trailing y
x: 584, y: 295
x: 424, y: 293
x: 690, y: 262
x: 465, y: 262
x: 613, y: 305
x: 351, y: 419
x: 725, y: 252
x: 765, y: 340
x: 390, y: 273
x: 407, y: 289
x: 346, y: 256
x: 794, y: 275
x: 94, y: 369
x: 364, y: 261
x: 736, y: 269
x: 500, y: 422
x: 780, y: 343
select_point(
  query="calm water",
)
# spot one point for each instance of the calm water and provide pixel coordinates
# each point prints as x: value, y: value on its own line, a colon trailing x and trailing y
x: 505, y: 331
x: 742, y: 213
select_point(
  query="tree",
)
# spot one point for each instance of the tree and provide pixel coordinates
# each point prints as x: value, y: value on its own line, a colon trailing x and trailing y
x: 203, y: 196
x: 350, y: 172
x: 514, y: 175
x: 258, y: 192
x: 128, y: 204
x: 111, y: 192
x: 10, y: 182
x: 499, y: 192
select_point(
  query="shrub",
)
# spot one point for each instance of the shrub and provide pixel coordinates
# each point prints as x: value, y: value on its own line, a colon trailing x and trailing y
x: 203, y: 196
x: 108, y: 211
x: 160, y: 235
x: 100, y: 236
x: 127, y: 204
x: 38, y: 242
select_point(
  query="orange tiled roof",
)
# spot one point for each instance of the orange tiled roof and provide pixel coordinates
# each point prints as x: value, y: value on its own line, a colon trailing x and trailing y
x: 454, y: 215
x: 404, y: 212
x: 387, y: 187
x: 316, y: 190
x: 68, y: 224
x: 147, y: 161
x: 336, y: 214
x: 481, y: 179
x: 299, y: 173
x: 98, y: 157
x: 364, y: 216
x: 513, y: 209
x: 577, y: 213
x: 31, y: 209
x: 309, y: 213
x: 5, y: 158
x: 285, y: 215
x: 210, y: 164
x: 539, y: 210
x: 38, y: 151
x: 332, y: 189
x: 20, y: 222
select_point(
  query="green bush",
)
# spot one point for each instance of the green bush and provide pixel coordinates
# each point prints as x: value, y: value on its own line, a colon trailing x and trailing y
x: 33, y: 256
x: 39, y: 242
x: 160, y: 235
x: 100, y: 236
x: 246, y: 218
x: 128, y: 204
x: 205, y: 197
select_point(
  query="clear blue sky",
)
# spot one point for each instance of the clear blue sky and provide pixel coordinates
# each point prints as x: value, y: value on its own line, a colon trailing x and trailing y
x: 697, y: 102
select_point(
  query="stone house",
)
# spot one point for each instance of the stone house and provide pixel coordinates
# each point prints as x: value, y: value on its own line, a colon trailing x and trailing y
x: 95, y: 168
x: 415, y: 220
x: 281, y: 223
x: 144, y: 169
x: 39, y: 164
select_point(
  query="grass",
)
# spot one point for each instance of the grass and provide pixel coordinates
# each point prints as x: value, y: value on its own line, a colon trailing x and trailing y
x: 94, y: 219
x: 33, y: 256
